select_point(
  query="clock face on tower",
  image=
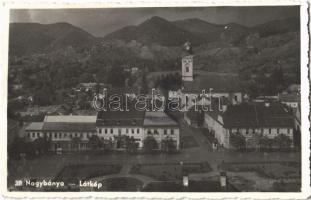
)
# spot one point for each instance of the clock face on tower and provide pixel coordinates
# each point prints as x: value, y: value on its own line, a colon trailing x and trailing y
x: 187, y: 64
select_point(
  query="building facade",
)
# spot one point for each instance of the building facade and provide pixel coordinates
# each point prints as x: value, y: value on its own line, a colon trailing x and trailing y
x: 65, y: 132
x: 70, y: 133
x: 253, y: 121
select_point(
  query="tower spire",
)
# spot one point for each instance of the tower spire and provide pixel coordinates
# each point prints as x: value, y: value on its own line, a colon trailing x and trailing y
x: 187, y: 63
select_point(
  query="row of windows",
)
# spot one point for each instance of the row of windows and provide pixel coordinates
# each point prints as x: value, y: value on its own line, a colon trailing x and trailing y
x: 119, y: 130
x: 60, y: 135
x: 270, y: 130
x: 71, y: 135
x: 156, y: 132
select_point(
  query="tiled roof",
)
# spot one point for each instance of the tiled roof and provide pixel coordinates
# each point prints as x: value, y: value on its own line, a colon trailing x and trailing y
x: 79, y: 127
x: 34, y: 126
x: 120, y: 118
x: 158, y: 119
x: 254, y: 116
x: 257, y: 115
x: 70, y: 118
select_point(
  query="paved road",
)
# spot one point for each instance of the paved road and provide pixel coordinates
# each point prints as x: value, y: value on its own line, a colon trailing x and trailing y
x: 201, y: 140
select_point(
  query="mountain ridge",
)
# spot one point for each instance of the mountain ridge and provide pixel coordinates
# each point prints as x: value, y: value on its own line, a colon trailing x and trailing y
x: 30, y: 38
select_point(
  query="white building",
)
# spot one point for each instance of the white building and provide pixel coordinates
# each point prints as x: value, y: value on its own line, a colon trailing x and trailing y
x: 251, y: 120
x: 66, y: 132
x: 73, y: 132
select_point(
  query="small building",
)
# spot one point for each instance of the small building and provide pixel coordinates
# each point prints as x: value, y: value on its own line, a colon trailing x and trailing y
x: 66, y: 132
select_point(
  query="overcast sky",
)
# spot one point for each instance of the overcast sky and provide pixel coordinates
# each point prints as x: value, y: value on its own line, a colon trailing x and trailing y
x: 102, y: 21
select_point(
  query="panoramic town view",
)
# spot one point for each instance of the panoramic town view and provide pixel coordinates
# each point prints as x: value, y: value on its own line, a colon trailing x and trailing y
x: 154, y: 100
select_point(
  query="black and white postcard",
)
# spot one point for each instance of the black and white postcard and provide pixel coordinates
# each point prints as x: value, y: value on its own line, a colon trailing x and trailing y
x: 155, y: 100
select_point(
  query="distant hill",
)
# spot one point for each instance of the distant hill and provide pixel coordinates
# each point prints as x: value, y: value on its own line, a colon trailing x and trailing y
x: 29, y: 38
x: 205, y: 29
x: 231, y: 32
x: 158, y: 31
x: 278, y: 27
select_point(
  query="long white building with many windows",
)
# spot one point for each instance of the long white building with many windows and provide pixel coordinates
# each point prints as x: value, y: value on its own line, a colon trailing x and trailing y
x: 70, y: 133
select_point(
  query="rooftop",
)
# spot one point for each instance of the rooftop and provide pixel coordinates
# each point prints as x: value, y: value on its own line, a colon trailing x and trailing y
x: 34, y: 126
x: 70, y: 118
x: 120, y: 118
x: 66, y: 126
x: 220, y: 82
x: 255, y: 115
x: 158, y: 119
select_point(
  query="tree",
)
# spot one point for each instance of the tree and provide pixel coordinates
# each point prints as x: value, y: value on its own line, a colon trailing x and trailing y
x: 150, y: 144
x: 43, y: 96
x: 265, y: 143
x: 144, y: 83
x: 116, y: 76
x: 94, y: 142
x: 237, y: 140
x: 17, y: 147
x: 41, y: 145
x: 130, y: 145
x: 282, y: 141
x: 168, y: 145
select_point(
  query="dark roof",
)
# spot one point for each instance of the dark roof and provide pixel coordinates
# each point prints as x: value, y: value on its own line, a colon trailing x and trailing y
x: 255, y: 116
x: 258, y: 115
x: 120, y: 118
x: 158, y: 119
x: 66, y: 126
x: 220, y: 82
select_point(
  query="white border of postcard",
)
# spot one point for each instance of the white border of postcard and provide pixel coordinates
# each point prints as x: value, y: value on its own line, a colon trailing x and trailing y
x: 6, y: 5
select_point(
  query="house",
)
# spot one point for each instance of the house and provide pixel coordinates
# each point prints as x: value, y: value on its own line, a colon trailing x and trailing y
x: 251, y: 120
x: 66, y: 132
x: 290, y: 99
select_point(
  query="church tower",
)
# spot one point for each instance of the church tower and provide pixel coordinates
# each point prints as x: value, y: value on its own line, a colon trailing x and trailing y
x: 187, y: 68
x: 187, y: 63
